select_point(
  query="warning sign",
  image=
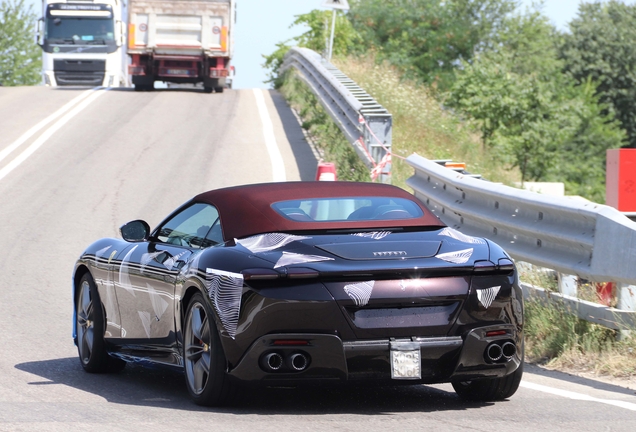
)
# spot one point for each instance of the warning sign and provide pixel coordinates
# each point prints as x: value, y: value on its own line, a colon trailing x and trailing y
x: 336, y: 4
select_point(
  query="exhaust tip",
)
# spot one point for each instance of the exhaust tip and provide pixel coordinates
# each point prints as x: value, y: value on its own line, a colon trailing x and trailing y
x: 508, y: 350
x: 494, y: 352
x: 272, y: 362
x: 298, y: 362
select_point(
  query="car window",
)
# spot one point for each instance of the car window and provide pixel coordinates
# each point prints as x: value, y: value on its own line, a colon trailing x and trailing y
x: 353, y: 209
x: 192, y: 227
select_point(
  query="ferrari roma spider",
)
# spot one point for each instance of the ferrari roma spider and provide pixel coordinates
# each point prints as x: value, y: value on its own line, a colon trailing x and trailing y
x: 302, y: 282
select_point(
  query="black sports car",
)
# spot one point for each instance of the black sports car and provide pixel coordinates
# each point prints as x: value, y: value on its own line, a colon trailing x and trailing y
x: 303, y: 282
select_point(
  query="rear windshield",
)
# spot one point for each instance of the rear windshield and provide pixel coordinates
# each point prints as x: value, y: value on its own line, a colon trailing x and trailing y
x: 348, y: 209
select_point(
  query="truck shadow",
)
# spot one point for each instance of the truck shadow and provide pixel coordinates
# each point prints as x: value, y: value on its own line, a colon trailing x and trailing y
x: 143, y: 386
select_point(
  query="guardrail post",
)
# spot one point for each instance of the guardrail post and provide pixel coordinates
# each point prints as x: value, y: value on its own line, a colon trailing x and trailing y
x: 379, y: 140
x: 626, y: 297
x: 568, y: 284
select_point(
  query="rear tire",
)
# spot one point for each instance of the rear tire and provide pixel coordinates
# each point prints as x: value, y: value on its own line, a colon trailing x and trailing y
x: 207, y: 89
x: 491, y: 389
x: 219, y: 89
x: 204, y: 359
x: 91, y: 325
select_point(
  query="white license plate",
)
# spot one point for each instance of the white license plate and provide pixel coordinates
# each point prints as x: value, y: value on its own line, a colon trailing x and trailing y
x: 178, y: 72
x: 406, y: 365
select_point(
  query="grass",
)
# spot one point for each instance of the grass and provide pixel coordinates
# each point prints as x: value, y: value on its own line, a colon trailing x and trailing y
x: 557, y: 339
x: 421, y: 125
x: 331, y: 143
x: 554, y: 337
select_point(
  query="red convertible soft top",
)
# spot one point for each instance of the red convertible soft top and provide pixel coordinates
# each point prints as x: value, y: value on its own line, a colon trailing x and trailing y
x: 247, y: 210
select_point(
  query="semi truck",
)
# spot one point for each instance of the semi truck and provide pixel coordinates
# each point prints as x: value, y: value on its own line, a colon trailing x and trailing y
x: 82, y: 43
x: 180, y: 41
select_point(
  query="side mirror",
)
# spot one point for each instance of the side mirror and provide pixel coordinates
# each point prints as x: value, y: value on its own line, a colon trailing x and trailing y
x: 135, y: 231
x: 39, y: 32
x: 120, y: 33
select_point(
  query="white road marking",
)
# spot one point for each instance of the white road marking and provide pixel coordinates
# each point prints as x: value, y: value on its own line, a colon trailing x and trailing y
x: 51, y: 130
x: 577, y: 396
x: 278, y: 166
x: 28, y: 134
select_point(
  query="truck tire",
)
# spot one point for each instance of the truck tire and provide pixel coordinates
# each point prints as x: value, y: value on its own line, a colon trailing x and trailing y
x: 207, y: 89
x: 219, y: 89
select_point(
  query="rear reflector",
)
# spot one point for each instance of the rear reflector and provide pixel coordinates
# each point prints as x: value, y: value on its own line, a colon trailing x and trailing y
x: 290, y: 343
x: 496, y: 333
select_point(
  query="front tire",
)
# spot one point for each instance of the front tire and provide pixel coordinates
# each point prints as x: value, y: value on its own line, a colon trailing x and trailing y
x: 91, y: 347
x: 205, y: 363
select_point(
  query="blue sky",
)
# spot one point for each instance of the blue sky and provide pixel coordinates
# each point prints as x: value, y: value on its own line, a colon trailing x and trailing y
x: 263, y: 23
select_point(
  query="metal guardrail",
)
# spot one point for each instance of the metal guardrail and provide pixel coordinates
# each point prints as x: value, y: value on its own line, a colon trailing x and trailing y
x: 593, y: 241
x: 365, y: 123
x: 593, y: 312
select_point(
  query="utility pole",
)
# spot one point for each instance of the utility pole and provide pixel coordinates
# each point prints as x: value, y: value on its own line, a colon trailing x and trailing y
x: 335, y: 5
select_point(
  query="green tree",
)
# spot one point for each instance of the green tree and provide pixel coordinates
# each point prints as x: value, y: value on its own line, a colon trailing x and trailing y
x: 531, y: 114
x: 20, y: 58
x: 602, y: 46
x: 318, y: 22
x: 428, y: 38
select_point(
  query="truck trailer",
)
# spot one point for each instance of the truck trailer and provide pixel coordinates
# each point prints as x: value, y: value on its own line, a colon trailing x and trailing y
x: 82, y: 43
x: 180, y: 41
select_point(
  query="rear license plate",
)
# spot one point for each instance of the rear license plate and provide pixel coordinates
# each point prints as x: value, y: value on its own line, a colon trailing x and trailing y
x: 178, y: 72
x: 406, y: 364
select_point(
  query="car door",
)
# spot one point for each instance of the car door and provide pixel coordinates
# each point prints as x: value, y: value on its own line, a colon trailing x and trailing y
x: 149, y: 270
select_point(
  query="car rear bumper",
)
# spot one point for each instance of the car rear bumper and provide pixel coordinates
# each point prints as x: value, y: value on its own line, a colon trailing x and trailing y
x: 328, y: 358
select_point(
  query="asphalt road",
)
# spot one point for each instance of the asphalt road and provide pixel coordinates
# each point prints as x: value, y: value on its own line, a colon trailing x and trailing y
x: 125, y: 155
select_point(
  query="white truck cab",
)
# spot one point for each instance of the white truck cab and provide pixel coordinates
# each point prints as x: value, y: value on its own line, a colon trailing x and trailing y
x: 82, y: 42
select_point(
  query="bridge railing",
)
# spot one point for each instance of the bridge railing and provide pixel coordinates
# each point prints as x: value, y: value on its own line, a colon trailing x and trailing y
x: 574, y: 237
x: 366, y: 124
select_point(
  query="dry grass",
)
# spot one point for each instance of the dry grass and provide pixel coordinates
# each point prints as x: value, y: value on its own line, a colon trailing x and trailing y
x: 421, y: 125
x: 617, y: 361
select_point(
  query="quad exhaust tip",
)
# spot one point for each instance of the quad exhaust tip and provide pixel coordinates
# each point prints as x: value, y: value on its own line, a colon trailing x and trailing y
x: 494, y: 352
x: 272, y: 362
x: 279, y: 362
x: 508, y: 350
x: 298, y: 362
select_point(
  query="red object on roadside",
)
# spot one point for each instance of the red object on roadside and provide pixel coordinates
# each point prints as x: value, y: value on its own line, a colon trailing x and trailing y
x: 604, y: 291
x: 620, y: 184
x: 326, y: 171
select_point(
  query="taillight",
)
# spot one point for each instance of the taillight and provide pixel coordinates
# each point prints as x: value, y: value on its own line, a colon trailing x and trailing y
x: 260, y: 274
x: 503, y: 266
x: 484, y: 267
x: 302, y: 273
x: 136, y: 70
x: 506, y: 265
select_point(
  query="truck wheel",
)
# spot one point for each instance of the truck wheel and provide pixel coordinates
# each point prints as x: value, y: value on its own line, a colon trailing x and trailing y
x: 207, y: 89
x: 219, y: 89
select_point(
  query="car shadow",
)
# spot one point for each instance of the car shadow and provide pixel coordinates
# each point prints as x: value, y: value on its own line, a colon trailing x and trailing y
x: 303, y: 154
x: 144, y: 386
